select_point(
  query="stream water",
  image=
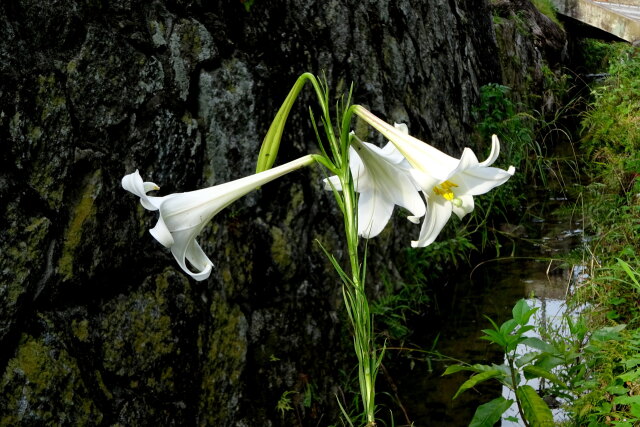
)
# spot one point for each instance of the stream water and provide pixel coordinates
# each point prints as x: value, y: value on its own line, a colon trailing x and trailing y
x: 551, y: 230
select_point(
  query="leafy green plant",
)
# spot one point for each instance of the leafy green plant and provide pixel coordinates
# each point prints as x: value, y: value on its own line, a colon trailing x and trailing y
x: 612, y: 124
x: 510, y: 337
x: 609, y: 392
x: 284, y: 403
x: 247, y: 4
x: 497, y: 114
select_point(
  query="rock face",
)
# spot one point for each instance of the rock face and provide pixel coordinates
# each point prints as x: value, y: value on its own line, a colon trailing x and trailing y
x: 531, y: 49
x: 97, y: 325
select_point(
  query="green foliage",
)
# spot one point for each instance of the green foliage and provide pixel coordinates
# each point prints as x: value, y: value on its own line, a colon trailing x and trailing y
x: 247, y: 4
x: 612, y: 124
x: 409, y: 296
x: 490, y: 413
x: 608, y: 379
x: 597, y: 54
x: 392, y: 309
x: 609, y: 394
x: 519, y: 365
x: 535, y: 409
x: 284, y: 403
x: 497, y: 114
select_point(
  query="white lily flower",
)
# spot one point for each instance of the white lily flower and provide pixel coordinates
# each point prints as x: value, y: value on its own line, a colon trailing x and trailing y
x: 184, y: 215
x: 448, y: 184
x: 381, y: 176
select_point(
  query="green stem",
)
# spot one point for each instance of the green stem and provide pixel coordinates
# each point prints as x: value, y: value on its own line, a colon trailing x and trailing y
x: 361, y: 319
x: 515, y: 386
x: 355, y: 297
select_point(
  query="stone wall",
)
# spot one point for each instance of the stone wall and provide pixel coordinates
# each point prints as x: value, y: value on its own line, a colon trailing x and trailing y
x: 97, y: 325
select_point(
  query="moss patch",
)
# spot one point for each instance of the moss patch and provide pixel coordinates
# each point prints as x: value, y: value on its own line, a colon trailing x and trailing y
x: 83, y: 210
x: 225, y: 359
x: 23, y: 255
x: 42, y: 385
x: 140, y: 334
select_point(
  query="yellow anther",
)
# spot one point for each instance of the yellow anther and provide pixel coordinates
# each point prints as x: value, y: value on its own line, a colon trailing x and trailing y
x: 444, y: 190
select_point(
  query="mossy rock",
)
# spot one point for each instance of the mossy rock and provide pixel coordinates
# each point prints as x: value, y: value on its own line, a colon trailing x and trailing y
x: 43, y: 385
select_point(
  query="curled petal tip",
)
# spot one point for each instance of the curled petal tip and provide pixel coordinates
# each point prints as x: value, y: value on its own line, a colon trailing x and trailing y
x: 402, y: 127
x: 150, y: 186
x: 414, y: 219
x: 495, y: 151
x: 204, y: 274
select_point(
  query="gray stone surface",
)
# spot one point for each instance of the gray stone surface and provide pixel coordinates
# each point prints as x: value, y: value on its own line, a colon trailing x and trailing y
x: 97, y: 324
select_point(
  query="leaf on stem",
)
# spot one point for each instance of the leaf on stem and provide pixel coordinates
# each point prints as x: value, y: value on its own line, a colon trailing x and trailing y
x: 494, y: 336
x: 489, y: 413
x: 522, y: 312
x: 477, y: 379
x: 532, y: 371
x: 535, y: 409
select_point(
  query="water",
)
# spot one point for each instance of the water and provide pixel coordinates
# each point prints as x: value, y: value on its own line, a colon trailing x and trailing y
x: 491, y: 288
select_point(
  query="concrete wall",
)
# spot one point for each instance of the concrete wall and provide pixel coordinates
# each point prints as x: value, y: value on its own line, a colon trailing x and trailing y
x: 626, y: 2
x: 601, y: 17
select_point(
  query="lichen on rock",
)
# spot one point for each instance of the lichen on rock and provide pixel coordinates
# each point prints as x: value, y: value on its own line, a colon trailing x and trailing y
x: 37, y: 370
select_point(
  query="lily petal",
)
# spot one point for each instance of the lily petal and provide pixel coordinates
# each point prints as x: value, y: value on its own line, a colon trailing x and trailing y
x: 162, y: 234
x: 438, y: 213
x: 184, y: 215
x: 479, y: 181
x: 134, y: 184
x: 495, y: 151
x: 382, y: 177
x: 448, y: 184
x: 465, y: 207
x: 373, y: 214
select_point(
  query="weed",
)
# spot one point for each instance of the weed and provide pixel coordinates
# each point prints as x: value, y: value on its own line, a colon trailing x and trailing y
x: 609, y: 381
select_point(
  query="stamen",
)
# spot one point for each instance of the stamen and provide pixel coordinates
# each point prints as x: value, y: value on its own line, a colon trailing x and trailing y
x: 444, y: 190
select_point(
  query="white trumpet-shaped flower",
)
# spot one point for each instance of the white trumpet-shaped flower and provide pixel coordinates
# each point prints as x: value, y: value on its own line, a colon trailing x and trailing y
x: 184, y: 215
x: 381, y: 176
x: 455, y: 192
x: 448, y: 184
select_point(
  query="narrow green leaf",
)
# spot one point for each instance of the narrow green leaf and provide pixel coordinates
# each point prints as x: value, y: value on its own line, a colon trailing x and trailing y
x: 630, y: 272
x: 535, y: 409
x: 549, y: 361
x: 524, y: 329
x: 617, y: 390
x: 494, y: 336
x: 488, y: 414
x: 532, y: 371
x: 495, y: 326
x: 457, y: 368
x: 454, y: 368
x: 477, y: 379
x: 630, y: 375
